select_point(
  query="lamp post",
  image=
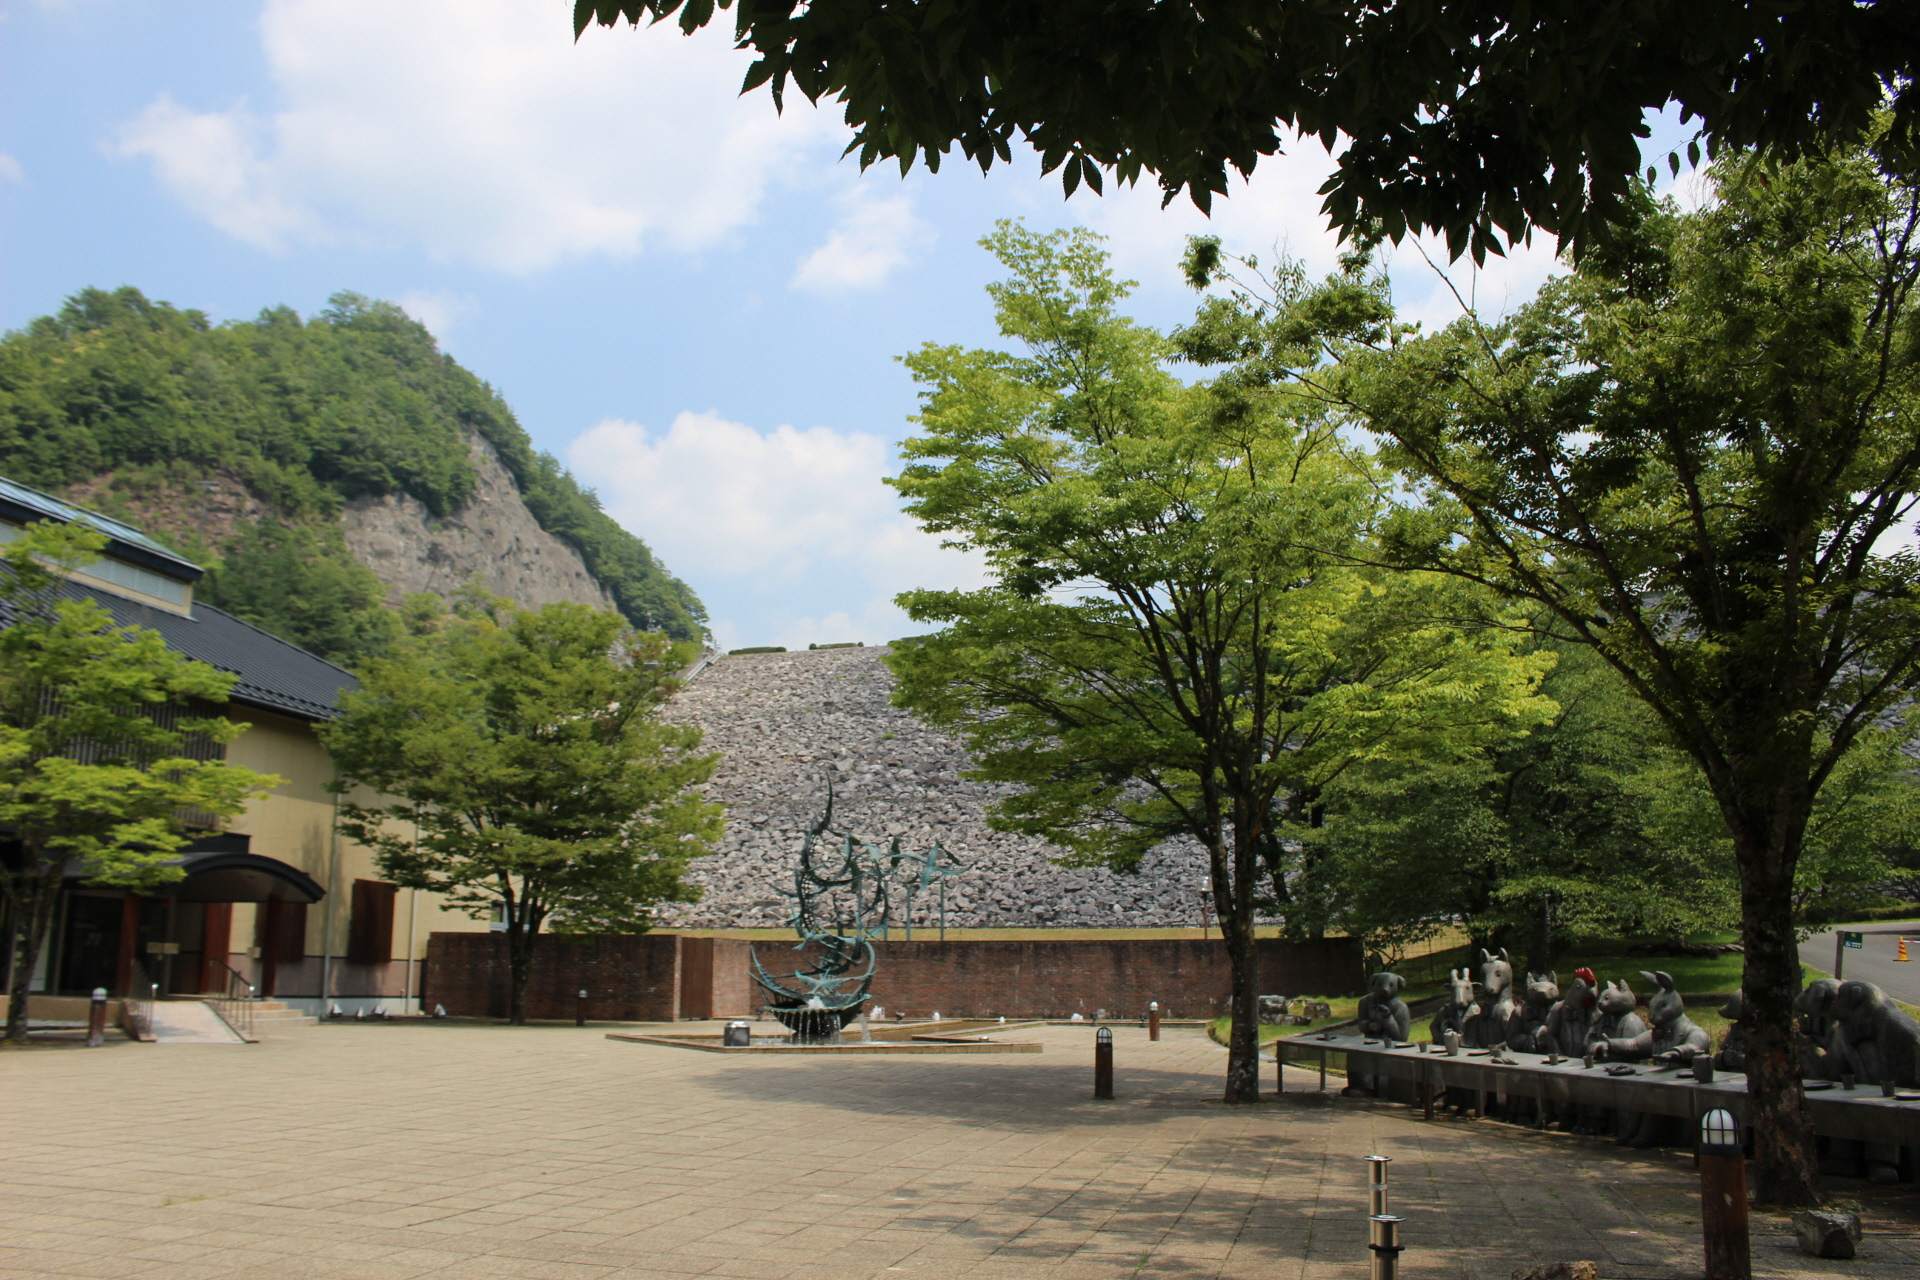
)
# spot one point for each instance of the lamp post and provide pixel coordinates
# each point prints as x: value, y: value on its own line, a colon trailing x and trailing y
x: 1723, y: 1197
x: 1103, y: 1063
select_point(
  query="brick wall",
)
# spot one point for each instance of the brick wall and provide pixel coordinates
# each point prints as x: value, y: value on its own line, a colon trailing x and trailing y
x: 1058, y: 979
x: 662, y: 976
x: 714, y: 979
x: 628, y: 979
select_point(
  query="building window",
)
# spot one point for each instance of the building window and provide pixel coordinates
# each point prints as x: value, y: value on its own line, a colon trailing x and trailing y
x: 370, y: 928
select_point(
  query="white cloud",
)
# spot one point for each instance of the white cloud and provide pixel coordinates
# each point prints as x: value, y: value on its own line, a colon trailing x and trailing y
x: 788, y: 515
x: 1276, y: 214
x: 1277, y: 210
x: 871, y: 240
x: 440, y: 311
x: 478, y: 131
x: 1493, y: 289
x: 212, y: 164
x: 10, y: 170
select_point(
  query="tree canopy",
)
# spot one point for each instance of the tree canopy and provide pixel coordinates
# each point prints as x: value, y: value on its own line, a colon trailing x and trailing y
x: 1695, y: 454
x: 1176, y: 644
x: 109, y: 747
x: 520, y: 765
x: 1474, y: 120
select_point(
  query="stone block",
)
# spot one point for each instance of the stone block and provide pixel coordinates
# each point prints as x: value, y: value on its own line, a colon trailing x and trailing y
x: 1558, y: 1271
x: 1827, y: 1233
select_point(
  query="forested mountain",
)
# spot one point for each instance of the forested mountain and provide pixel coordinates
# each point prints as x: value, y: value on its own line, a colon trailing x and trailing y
x: 247, y: 442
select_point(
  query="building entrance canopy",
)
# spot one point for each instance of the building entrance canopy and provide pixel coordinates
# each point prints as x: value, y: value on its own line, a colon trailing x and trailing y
x: 222, y: 868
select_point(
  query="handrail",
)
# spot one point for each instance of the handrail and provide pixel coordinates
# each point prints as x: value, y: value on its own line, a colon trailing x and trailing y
x: 136, y: 1010
x: 235, y: 1005
x: 238, y: 986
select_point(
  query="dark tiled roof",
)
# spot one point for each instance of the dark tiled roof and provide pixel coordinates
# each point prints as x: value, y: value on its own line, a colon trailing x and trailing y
x: 270, y: 673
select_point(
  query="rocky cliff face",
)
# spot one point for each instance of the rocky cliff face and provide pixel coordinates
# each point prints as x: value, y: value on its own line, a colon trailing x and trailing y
x: 786, y: 722
x: 493, y: 541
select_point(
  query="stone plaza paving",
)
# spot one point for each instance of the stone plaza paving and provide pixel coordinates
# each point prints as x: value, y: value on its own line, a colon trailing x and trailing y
x: 461, y: 1150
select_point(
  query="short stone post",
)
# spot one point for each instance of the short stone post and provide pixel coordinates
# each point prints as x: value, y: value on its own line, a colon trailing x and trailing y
x: 1153, y: 1020
x: 1103, y: 1063
x: 97, y: 1019
x: 1723, y: 1197
x: 580, y: 1008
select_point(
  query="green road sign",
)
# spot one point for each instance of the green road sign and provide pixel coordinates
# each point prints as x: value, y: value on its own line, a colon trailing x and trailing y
x: 1853, y: 940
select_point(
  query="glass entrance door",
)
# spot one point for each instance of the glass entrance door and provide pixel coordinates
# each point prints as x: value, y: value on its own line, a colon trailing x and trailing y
x: 90, y: 952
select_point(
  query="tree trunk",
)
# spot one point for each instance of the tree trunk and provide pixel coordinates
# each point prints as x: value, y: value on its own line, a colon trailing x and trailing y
x: 520, y: 938
x: 1540, y: 951
x: 33, y: 916
x: 1243, y: 1046
x: 1236, y: 929
x: 1782, y: 1137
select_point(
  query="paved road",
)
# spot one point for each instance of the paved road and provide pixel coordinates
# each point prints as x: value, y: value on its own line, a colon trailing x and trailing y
x: 1875, y: 963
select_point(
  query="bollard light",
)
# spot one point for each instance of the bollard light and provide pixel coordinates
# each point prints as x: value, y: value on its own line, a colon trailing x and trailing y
x: 97, y: 1019
x: 1103, y: 1063
x: 738, y: 1035
x: 1153, y: 1020
x: 1719, y: 1133
x: 1723, y: 1198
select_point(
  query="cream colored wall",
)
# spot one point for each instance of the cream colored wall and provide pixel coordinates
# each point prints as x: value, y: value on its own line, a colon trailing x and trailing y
x: 294, y: 823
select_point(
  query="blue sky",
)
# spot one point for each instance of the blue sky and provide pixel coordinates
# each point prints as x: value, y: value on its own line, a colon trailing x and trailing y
x: 694, y: 303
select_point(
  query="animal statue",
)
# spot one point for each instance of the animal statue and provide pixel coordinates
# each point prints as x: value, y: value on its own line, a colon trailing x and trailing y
x: 1459, y: 1007
x: 1814, y: 1047
x: 1618, y: 1020
x: 1497, y: 1004
x: 1382, y: 1013
x: 1668, y: 1034
x: 1676, y: 1037
x: 1565, y: 1031
x: 1530, y: 1020
x: 1877, y: 1040
x: 1733, y: 1050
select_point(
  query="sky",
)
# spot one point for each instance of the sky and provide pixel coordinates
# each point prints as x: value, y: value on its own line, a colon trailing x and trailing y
x: 693, y: 302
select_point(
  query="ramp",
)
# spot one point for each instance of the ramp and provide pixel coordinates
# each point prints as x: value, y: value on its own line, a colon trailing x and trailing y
x: 190, y: 1022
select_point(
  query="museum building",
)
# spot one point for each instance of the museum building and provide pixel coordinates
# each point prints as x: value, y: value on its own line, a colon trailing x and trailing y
x: 278, y: 899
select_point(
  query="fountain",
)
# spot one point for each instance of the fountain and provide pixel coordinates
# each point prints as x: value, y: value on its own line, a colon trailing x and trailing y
x: 838, y: 910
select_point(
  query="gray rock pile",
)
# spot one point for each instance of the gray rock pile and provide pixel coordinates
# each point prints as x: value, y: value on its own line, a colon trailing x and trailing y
x: 785, y: 721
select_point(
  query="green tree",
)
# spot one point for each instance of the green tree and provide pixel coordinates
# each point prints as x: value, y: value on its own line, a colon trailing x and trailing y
x: 300, y: 582
x: 1466, y: 117
x: 528, y: 770
x: 97, y: 769
x: 1169, y: 649
x: 1595, y: 825
x: 1692, y: 451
